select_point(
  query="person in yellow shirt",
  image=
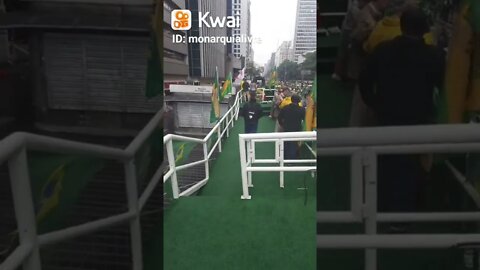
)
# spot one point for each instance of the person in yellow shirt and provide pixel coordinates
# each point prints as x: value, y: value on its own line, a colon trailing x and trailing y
x: 287, y: 101
x: 389, y: 27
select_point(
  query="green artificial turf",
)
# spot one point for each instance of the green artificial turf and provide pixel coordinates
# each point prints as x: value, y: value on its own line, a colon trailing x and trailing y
x: 218, y: 230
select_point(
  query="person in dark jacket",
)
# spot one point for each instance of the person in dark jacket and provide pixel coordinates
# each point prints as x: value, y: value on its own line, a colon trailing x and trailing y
x: 290, y: 120
x: 398, y: 83
x: 251, y: 113
x: 401, y: 75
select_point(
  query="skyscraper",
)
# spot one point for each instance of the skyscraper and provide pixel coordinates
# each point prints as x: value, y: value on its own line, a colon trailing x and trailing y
x: 205, y: 57
x: 241, y: 8
x: 305, y: 28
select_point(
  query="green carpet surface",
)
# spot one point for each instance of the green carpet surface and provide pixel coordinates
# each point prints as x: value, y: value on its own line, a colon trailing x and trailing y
x: 217, y: 230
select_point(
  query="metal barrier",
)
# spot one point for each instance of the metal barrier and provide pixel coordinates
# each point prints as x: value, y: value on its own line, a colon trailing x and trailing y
x: 364, y: 145
x: 13, y: 149
x: 221, y: 128
x: 248, y: 158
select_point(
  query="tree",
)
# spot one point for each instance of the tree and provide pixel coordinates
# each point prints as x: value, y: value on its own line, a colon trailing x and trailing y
x: 288, y: 71
x: 251, y: 71
x: 310, y: 62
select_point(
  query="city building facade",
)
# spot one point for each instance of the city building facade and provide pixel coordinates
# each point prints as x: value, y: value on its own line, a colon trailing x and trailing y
x: 305, y: 39
x: 205, y: 58
x: 242, y: 8
x: 283, y: 53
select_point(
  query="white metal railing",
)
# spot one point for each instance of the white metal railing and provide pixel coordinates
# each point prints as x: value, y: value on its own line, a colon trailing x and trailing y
x: 364, y: 145
x: 222, y: 128
x: 247, y: 144
x: 13, y: 149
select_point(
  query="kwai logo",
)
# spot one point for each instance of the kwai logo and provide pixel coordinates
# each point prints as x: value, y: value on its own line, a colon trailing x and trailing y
x: 182, y: 20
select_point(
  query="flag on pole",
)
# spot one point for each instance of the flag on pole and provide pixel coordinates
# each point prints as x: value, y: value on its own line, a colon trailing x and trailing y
x: 215, y: 110
x: 154, y: 83
x: 227, y: 87
x: 311, y: 111
x: 273, y: 78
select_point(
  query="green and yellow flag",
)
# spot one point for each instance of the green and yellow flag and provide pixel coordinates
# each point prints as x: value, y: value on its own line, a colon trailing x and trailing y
x: 154, y: 83
x: 227, y: 87
x: 311, y: 111
x: 273, y: 78
x: 215, y: 111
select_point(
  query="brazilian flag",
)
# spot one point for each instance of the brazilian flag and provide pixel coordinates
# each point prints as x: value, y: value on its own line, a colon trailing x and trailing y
x: 154, y: 84
x: 57, y: 182
x: 227, y: 87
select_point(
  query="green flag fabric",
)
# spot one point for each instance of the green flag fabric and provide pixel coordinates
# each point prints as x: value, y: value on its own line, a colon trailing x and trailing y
x: 57, y: 182
x: 273, y: 78
x: 154, y: 83
x: 215, y: 110
x: 227, y: 87
x: 474, y: 14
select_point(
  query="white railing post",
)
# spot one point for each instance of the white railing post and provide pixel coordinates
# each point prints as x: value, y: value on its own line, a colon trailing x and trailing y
x: 250, y: 160
x: 370, y: 166
x: 281, y: 156
x: 135, y: 227
x: 171, y: 164
x: 356, y: 184
x: 232, y: 116
x: 24, y: 208
x: 219, y: 132
x: 205, y: 156
x: 277, y: 149
x: 227, y: 124
x: 243, y: 164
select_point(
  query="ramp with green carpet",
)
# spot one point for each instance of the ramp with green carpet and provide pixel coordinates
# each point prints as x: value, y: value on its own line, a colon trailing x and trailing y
x: 217, y: 230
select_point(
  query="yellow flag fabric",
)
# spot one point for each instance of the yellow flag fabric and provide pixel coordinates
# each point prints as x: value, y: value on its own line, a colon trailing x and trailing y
x: 388, y: 29
x: 227, y: 87
x: 458, y: 70
x: 310, y: 115
x: 215, y: 110
x: 286, y: 101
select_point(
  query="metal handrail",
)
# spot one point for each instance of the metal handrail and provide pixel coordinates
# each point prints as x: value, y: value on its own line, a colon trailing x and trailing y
x: 364, y: 146
x: 14, y: 148
x: 247, y: 156
x: 222, y: 127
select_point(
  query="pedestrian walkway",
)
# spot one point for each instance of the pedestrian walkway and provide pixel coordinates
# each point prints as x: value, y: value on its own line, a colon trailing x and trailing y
x: 217, y: 230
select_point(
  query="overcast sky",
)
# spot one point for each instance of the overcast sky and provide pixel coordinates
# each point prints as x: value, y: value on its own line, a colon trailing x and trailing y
x: 274, y: 22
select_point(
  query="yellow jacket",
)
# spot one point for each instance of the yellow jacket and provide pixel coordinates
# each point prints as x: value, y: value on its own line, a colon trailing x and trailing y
x: 388, y: 29
x: 286, y: 101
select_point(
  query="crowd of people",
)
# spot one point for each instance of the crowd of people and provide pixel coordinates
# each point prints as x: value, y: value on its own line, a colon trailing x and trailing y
x: 388, y: 51
x: 287, y: 110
